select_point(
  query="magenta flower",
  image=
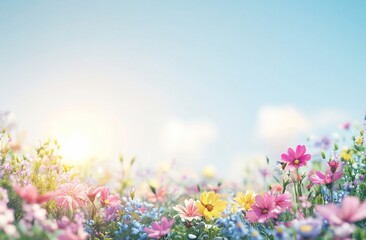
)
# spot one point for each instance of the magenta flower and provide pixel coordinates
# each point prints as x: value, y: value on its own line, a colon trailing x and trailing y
x: 296, y: 159
x: 159, y: 230
x: 327, y: 178
x: 351, y: 211
x: 333, y: 165
x: 107, y: 199
x: 263, y: 209
x: 189, y: 211
x: 71, y: 196
x: 30, y: 194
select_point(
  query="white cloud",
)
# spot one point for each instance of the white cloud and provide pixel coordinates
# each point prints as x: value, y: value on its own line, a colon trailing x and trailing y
x: 279, y: 124
x: 187, y: 141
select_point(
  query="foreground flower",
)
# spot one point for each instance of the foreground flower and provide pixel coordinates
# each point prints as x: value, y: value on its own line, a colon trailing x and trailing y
x: 210, y: 205
x: 189, y: 211
x: 71, y: 196
x: 296, y: 159
x: 30, y: 194
x: 6, y: 220
x: 159, y: 230
x: 245, y: 201
x: 263, y: 209
x: 308, y: 228
x: 72, y: 230
x: 327, y: 178
x: 351, y: 211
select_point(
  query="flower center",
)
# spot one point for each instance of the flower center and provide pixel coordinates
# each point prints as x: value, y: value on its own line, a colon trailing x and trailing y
x: 209, y: 207
x: 306, y: 228
x: 297, y: 161
x: 265, y: 211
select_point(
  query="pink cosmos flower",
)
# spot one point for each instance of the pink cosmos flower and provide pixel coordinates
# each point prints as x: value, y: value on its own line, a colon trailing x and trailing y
x: 296, y: 159
x: 106, y: 199
x: 159, y: 230
x: 327, y: 178
x: 92, y: 193
x: 263, y: 209
x: 189, y: 211
x: 30, y: 194
x: 351, y: 211
x: 71, y: 196
x: 283, y: 202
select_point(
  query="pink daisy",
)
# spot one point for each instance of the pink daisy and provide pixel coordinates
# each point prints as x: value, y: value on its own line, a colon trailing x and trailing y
x: 71, y: 196
x: 189, y: 211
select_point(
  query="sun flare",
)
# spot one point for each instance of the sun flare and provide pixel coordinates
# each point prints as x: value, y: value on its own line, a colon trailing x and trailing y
x: 83, y: 134
x: 75, y: 148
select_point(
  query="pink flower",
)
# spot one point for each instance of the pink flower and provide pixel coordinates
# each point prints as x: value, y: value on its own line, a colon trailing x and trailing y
x: 106, y: 199
x: 72, y: 230
x: 189, y: 211
x: 71, y: 196
x: 158, y: 196
x: 92, y: 192
x: 296, y: 159
x: 7, y: 220
x: 263, y: 209
x: 159, y: 230
x: 283, y: 202
x: 327, y: 178
x: 346, y: 125
x: 333, y: 165
x: 30, y: 194
x: 351, y: 211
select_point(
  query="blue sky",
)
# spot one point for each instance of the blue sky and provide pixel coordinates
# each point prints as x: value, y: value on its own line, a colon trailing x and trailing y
x: 197, y: 81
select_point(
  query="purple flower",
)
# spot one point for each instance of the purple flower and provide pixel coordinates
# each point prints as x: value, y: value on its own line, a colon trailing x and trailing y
x: 308, y: 228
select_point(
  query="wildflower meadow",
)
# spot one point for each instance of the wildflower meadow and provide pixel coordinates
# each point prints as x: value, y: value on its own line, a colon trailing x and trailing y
x: 315, y: 190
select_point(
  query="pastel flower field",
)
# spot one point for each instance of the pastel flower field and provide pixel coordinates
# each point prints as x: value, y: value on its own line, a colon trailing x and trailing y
x: 315, y: 190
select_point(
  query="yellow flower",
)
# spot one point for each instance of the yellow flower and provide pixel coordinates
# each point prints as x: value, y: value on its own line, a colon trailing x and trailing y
x: 358, y: 140
x: 210, y: 205
x: 245, y: 201
x: 346, y: 154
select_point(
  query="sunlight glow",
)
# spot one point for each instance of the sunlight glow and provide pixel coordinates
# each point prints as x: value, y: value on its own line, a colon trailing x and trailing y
x: 75, y: 148
x: 83, y: 134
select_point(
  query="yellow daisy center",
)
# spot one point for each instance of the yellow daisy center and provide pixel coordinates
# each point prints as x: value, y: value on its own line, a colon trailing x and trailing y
x: 306, y: 228
x: 297, y: 161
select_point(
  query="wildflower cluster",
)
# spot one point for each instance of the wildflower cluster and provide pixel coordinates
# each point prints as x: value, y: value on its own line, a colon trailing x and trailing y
x: 321, y: 195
